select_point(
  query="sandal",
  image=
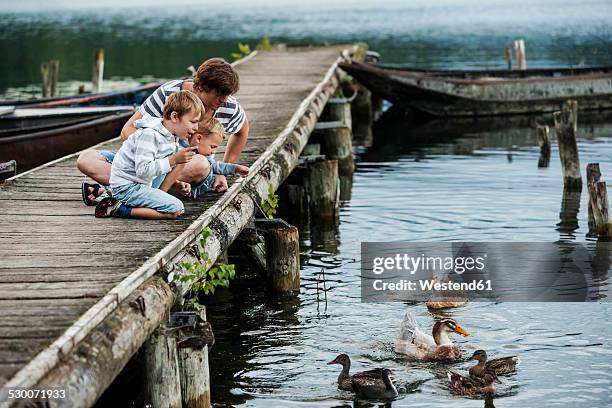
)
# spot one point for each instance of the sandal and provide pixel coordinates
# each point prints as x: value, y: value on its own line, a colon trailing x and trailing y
x: 89, y: 198
x: 107, y: 207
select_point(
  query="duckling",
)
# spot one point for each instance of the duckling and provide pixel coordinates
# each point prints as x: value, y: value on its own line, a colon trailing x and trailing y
x: 345, y: 380
x: 501, y: 366
x: 375, y: 388
x: 414, y: 343
x: 470, y: 387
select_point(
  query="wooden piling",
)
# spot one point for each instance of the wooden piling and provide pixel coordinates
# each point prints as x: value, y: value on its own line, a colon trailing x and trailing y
x: 338, y: 110
x: 337, y: 141
x: 593, y: 174
x: 509, y: 58
x: 50, y: 73
x: 98, y: 70
x: 566, y: 122
x: 323, y: 188
x: 598, y: 202
x: 162, y: 384
x: 297, y: 201
x: 519, y: 48
x: 193, y: 363
x: 361, y: 115
x: 544, y: 142
x: 282, y: 254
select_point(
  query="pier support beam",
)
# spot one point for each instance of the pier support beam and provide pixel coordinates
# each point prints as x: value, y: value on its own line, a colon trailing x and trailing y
x: 338, y: 110
x: 361, y: 114
x: 337, y: 141
x: 599, y: 222
x: 98, y: 70
x: 193, y: 363
x: 593, y: 175
x: 323, y: 188
x: 282, y: 254
x: 162, y: 383
x: 519, y: 48
x: 566, y: 122
x: 544, y: 142
x: 50, y: 74
x: 508, y: 52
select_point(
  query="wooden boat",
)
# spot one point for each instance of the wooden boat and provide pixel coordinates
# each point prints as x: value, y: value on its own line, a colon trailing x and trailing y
x: 134, y: 96
x: 33, y: 149
x: 29, y: 120
x: 482, y: 93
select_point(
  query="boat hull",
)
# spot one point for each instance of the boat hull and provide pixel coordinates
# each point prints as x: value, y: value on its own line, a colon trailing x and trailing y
x: 33, y: 149
x: 487, y: 95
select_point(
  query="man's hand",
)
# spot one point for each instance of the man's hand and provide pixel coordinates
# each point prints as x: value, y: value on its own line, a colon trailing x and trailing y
x: 242, y: 170
x: 219, y: 185
x: 182, y: 187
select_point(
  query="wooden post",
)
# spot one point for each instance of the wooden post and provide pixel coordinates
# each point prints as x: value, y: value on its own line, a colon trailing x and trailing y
x: 519, y: 48
x: 544, y: 142
x: 361, y: 114
x: 323, y: 188
x: 566, y: 126
x: 297, y: 201
x: 311, y: 149
x: 193, y: 363
x: 50, y: 73
x: 337, y: 141
x: 338, y: 110
x: 593, y: 175
x: 598, y: 201
x: 98, y: 70
x: 509, y: 58
x: 162, y: 384
x: 282, y: 261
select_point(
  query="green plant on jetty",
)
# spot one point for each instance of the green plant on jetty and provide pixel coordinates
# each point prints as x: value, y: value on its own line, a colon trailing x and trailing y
x: 269, y: 205
x: 200, y: 278
x: 244, y: 49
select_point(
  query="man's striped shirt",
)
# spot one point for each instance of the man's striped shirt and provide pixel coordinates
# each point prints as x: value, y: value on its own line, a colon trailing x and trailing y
x: 230, y: 115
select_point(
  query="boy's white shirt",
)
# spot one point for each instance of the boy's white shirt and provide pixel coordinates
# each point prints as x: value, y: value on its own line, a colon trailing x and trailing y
x: 145, y: 153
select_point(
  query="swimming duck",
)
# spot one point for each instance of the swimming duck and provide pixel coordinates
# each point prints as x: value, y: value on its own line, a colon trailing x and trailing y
x: 375, y: 388
x: 345, y: 380
x: 470, y: 386
x: 500, y: 366
x: 438, y: 347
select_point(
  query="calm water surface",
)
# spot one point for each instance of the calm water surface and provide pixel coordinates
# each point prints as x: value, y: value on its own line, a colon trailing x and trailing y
x: 424, y: 183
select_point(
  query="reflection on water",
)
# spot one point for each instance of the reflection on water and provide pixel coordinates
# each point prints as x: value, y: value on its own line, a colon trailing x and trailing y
x: 443, y: 181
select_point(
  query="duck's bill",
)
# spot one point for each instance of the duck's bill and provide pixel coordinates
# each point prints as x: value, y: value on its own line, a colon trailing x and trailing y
x: 461, y: 331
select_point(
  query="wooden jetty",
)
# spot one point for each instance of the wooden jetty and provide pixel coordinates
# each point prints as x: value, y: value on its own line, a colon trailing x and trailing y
x: 80, y: 295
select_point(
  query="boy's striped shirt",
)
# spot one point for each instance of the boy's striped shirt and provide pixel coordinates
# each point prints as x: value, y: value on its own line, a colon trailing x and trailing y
x: 230, y: 115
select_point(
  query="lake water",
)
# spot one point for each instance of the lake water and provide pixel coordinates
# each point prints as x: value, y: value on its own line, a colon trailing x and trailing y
x: 417, y: 182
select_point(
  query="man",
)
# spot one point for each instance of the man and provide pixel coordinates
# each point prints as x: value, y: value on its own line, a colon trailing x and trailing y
x: 214, y: 83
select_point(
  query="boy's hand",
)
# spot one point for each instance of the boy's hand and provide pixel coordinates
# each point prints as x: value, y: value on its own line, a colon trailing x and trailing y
x: 242, y: 170
x: 182, y: 187
x: 182, y: 156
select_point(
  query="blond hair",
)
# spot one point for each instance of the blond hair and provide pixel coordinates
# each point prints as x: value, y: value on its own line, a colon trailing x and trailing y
x: 183, y: 102
x: 208, y: 126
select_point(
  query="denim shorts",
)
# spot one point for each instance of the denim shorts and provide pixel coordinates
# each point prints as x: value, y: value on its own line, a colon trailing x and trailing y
x: 109, y: 156
x: 143, y: 196
x: 203, y: 187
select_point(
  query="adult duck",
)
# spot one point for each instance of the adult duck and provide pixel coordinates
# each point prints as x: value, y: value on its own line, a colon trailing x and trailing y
x: 470, y: 387
x: 375, y: 388
x: 436, y: 347
x: 501, y: 366
x: 346, y: 380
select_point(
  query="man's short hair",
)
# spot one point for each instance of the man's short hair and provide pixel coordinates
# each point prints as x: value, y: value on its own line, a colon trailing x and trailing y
x: 217, y: 75
x: 183, y: 102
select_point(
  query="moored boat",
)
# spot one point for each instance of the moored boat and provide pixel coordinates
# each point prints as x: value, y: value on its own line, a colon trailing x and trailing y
x: 484, y: 93
x: 36, y: 148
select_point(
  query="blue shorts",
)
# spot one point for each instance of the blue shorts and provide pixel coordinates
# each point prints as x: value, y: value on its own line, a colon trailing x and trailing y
x: 109, y: 156
x: 142, y: 196
x: 201, y: 188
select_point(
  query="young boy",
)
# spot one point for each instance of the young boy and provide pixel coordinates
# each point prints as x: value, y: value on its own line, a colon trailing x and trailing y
x: 150, y: 152
x: 206, y: 140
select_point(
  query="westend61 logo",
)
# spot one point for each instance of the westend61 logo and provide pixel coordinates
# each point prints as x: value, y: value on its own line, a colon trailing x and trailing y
x: 500, y: 271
